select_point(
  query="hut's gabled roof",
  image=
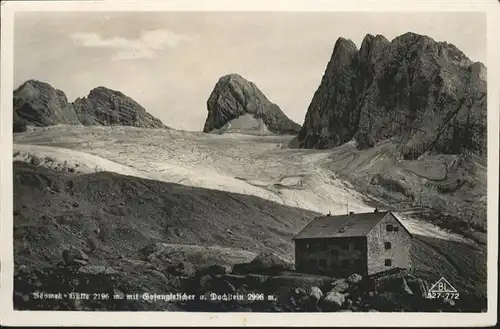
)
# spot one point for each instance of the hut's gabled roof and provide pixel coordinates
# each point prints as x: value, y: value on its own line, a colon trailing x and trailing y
x: 352, y: 225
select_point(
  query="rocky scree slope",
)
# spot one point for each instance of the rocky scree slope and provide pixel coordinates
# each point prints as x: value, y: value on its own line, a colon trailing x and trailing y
x: 234, y: 96
x: 266, y: 275
x: 426, y: 95
x: 39, y: 104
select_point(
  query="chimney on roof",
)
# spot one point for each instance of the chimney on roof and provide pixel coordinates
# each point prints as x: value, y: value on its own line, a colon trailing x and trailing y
x: 376, y: 209
x: 329, y: 213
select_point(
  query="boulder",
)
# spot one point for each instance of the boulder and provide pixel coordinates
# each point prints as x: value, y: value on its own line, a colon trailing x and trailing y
x: 405, y: 288
x: 215, y: 284
x: 270, y: 262
x: 420, y: 287
x: 315, y: 294
x: 212, y: 269
x: 354, y: 278
x: 264, y: 263
x: 299, y: 292
x: 339, y: 286
x: 74, y: 256
x: 332, y: 302
x: 180, y: 268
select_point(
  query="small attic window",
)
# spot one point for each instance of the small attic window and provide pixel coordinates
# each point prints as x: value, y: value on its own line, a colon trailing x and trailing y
x: 396, y: 229
x: 389, y: 228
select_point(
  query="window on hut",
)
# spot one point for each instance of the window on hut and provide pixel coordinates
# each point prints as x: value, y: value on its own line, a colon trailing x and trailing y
x: 388, y: 262
x: 396, y: 228
x: 389, y: 228
x: 387, y: 245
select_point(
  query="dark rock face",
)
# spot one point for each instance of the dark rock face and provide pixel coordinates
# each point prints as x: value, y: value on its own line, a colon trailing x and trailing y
x: 234, y: 96
x: 426, y: 95
x: 324, y: 128
x: 108, y: 107
x: 18, y: 125
x: 39, y: 104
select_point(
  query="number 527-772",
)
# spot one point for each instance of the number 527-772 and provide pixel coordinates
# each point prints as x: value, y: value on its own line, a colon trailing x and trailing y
x: 444, y: 295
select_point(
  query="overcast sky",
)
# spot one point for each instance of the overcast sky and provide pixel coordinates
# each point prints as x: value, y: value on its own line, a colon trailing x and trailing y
x: 170, y: 62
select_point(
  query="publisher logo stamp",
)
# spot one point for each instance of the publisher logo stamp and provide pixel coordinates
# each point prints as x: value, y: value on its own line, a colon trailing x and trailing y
x: 443, y: 289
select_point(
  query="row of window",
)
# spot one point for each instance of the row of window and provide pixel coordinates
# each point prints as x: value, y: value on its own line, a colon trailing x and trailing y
x: 323, y: 246
x: 357, y: 245
x: 345, y: 262
x: 391, y: 228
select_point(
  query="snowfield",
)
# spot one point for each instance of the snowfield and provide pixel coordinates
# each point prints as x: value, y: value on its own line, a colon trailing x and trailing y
x: 246, y: 164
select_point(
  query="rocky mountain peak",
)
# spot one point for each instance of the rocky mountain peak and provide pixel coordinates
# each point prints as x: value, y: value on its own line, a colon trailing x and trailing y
x: 104, y: 106
x: 38, y: 103
x: 478, y: 71
x: 343, y: 51
x: 235, y: 77
x: 234, y: 96
x: 34, y: 84
x: 102, y: 91
x: 344, y: 45
x: 370, y: 46
x: 422, y: 94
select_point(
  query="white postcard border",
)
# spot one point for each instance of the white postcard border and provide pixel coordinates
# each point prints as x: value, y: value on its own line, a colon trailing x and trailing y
x: 43, y: 318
